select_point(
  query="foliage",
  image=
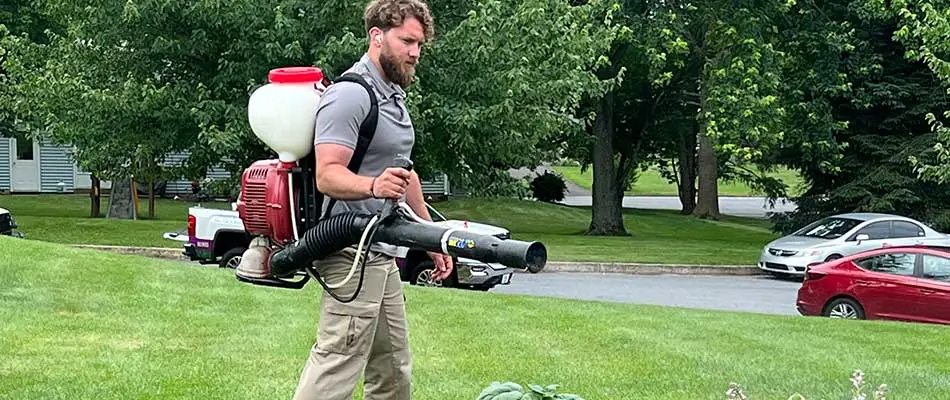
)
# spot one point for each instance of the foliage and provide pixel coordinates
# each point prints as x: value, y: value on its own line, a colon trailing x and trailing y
x: 739, y: 70
x: 549, y: 187
x: 495, y: 90
x: 514, y: 391
x: 20, y: 20
x: 877, y: 116
x: 127, y: 83
x: 922, y: 27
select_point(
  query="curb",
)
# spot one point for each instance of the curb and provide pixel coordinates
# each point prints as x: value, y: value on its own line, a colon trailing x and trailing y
x: 552, y: 266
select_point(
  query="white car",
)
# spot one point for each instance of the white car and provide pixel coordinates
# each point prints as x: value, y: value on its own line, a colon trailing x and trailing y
x: 416, y: 267
x: 842, y: 235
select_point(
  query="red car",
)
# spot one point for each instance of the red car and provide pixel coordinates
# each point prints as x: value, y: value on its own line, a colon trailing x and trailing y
x: 895, y: 283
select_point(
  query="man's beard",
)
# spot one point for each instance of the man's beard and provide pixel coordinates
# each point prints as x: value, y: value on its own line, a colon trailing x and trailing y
x: 399, y: 73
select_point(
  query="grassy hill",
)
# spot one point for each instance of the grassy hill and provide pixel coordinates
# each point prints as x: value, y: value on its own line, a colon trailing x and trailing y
x: 80, y: 324
x: 651, y: 183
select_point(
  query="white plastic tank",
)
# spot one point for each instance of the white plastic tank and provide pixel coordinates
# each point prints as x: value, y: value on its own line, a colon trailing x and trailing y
x: 282, y: 112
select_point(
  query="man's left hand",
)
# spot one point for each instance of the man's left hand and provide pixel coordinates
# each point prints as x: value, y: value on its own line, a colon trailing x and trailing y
x: 443, y: 265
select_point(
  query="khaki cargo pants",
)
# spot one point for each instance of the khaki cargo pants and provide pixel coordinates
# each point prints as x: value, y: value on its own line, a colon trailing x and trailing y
x: 367, y: 335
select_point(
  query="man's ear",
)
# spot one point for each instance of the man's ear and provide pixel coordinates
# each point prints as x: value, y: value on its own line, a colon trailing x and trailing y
x: 376, y: 35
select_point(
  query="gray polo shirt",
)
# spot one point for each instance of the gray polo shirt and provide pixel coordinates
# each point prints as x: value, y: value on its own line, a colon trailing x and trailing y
x: 342, y: 109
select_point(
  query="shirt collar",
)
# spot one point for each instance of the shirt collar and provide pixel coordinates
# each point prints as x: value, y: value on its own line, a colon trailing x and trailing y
x: 387, y: 89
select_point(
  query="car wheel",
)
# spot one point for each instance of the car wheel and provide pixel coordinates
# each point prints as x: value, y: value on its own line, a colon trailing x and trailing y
x: 232, y: 258
x: 844, y: 308
x: 422, y: 276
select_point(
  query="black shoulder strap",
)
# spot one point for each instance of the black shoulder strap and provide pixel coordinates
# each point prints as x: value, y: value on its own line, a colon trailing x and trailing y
x: 367, y: 129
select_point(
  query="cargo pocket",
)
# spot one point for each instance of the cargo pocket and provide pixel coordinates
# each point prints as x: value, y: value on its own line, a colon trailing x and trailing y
x: 347, y: 328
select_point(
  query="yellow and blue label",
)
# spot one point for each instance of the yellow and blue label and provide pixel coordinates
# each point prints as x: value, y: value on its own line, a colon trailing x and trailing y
x: 461, y: 243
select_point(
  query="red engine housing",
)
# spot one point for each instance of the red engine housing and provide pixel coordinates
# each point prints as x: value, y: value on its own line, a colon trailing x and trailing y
x: 264, y: 203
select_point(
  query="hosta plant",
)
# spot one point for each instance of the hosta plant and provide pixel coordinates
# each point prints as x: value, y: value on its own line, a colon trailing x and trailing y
x: 514, y: 391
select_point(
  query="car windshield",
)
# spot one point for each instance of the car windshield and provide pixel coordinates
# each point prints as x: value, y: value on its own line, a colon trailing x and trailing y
x: 828, y: 228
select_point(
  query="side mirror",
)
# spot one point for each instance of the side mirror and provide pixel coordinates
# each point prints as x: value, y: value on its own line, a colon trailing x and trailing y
x: 862, y: 237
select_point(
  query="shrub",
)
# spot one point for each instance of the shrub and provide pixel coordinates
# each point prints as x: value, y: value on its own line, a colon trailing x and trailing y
x: 514, y: 391
x: 549, y: 187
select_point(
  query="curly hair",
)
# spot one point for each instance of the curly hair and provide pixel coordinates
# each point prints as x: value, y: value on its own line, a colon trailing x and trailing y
x: 388, y: 14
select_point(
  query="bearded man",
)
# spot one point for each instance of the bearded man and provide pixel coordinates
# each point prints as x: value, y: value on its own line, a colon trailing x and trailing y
x: 370, y: 334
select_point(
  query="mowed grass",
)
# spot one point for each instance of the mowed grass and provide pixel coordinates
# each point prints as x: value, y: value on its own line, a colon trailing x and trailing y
x: 655, y: 236
x: 81, y: 324
x: 65, y: 219
x: 651, y: 183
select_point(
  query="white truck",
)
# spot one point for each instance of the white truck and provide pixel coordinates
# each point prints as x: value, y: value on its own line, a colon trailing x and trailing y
x: 218, y: 236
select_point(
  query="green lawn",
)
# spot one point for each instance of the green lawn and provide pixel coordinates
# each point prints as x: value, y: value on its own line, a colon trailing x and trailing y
x: 651, y: 183
x: 65, y: 219
x: 80, y: 324
x: 656, y: 236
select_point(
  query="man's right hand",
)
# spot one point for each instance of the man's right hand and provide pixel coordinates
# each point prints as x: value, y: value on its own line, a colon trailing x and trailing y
x: 391, y: 184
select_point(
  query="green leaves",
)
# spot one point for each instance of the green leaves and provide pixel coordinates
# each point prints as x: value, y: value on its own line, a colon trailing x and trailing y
x: 923, y: 27
x: 514, y: 391
x: 490, y: 102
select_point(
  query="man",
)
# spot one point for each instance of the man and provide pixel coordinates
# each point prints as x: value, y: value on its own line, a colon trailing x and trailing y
x: 370, y: 332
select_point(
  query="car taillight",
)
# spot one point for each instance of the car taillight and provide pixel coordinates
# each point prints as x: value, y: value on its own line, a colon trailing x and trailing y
x: 191, y: 225
x: 812, y: 275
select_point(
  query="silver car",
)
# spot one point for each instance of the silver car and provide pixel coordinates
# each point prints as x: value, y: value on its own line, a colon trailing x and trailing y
x: 842, y: 235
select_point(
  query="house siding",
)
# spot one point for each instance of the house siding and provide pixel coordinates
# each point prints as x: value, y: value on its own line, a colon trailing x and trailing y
x: 56, y: 166
x: 438, y: 185
x: 183, y: 186
x: 6, y: 144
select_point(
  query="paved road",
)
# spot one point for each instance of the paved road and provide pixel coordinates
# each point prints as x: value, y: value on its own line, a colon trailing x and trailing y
x: 733, y: 293
x: 755, y: 207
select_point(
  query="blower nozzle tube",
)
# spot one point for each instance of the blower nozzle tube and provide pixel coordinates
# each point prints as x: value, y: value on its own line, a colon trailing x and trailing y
x: 342, y: 230
x: 327, y: 237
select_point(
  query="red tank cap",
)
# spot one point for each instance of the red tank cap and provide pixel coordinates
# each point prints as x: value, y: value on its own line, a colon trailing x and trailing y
x: 295, y: 75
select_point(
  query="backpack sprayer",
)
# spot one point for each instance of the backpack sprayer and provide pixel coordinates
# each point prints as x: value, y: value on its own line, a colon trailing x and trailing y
x: 279, y: 199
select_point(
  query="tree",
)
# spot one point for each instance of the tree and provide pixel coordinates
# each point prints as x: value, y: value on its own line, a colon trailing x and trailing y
x: 922, y: 27
x: 498, y: 90
x: 737, y: 86
x: 129, y: 83
x: 865, y: 106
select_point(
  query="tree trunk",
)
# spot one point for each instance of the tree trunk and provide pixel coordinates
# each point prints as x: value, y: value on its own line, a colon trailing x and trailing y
x: 687, y: 171
x: 95, y: 197
x: 120, y: 200
x: 607, y: 210
x: 707, y: 204
x: 151, y: 199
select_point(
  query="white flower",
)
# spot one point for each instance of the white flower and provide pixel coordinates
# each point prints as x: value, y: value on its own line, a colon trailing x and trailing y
x: 857, y: 379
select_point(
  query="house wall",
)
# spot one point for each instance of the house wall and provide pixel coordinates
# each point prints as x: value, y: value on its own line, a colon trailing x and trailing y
x: 183, y: 186
x: 6, y: 144
x: 438, y: 185
x: 56, y: 167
